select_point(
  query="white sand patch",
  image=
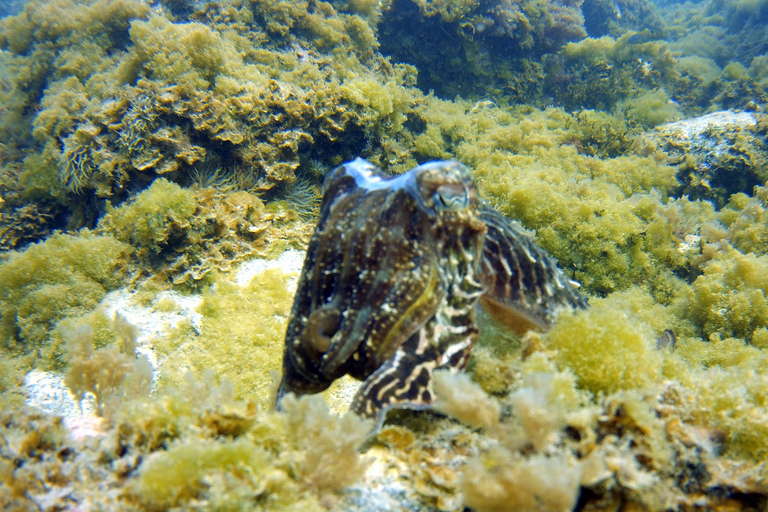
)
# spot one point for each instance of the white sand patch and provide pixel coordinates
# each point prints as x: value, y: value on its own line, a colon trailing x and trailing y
x: 47, y: 392
x: 291, y: 261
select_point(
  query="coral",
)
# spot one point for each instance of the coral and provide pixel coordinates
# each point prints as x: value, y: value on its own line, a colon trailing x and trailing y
x: 64, y: 276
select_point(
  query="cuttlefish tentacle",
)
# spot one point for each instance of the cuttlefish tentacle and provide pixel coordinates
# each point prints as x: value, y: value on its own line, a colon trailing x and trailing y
x: 392, y: 277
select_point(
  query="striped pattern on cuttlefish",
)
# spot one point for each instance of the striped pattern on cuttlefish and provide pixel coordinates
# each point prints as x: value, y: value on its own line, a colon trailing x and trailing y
x: 392, y: 277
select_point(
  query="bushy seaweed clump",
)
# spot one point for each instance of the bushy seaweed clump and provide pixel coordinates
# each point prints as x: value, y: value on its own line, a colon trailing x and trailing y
x: 155, y: 222
x: 65, y: 276
x: 111, y: 373
x: 192, y: 446
x: 186, y: 233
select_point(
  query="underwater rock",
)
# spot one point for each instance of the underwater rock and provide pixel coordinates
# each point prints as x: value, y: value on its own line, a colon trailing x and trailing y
x: 718, y: 154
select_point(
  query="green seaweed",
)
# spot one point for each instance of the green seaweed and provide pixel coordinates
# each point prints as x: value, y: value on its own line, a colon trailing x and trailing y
x: 605, y: 350
x: 65, y: 276
x: 151, y: 220
x: 241, y: 338
x: 244, y: 102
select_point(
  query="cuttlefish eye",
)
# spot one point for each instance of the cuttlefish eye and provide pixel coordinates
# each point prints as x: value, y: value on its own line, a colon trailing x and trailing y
x: 451, y: 198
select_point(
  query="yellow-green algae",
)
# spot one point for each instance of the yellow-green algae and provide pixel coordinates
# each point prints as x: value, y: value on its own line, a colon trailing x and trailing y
x: 191, y: 447
x: 596, y: 351
x: 152, y: 217
x: 65, y: 276
x: 242, y: 336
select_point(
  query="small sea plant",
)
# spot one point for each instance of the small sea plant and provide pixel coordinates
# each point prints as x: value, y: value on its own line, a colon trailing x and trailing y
x: 110, y: 373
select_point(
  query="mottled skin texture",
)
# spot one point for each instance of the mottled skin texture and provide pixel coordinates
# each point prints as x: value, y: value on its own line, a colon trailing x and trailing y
x: 391, y: 279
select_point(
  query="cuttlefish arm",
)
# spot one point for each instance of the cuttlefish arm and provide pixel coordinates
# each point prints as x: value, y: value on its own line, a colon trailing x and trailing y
x: 524, y: 287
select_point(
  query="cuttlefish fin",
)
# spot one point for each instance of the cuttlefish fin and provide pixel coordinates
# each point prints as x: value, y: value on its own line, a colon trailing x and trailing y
x: 511, y: 317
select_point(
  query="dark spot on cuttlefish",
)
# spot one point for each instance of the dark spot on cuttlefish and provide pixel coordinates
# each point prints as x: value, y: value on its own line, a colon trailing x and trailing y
x: 392, y: 276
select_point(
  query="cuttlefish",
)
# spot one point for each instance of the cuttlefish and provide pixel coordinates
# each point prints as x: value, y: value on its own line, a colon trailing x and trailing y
x: 393, y: 274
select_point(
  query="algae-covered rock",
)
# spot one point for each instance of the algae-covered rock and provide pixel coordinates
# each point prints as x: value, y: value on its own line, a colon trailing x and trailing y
x: 186, y: 233
x: 208, y: 127
x: 718, y: 154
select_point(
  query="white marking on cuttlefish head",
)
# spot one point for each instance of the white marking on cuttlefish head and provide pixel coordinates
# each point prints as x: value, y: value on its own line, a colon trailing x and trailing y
x: 363, y: 173
x: 452, y: 195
